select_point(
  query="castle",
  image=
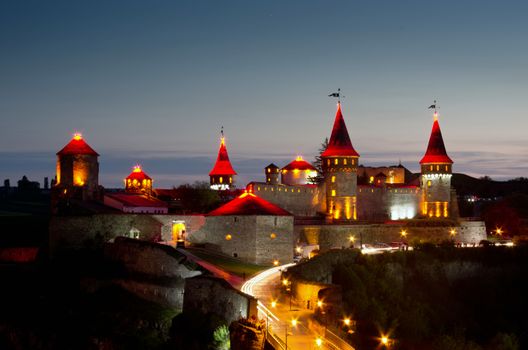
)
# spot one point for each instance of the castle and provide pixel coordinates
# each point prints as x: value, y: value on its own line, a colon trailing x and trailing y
x: 297, y: 205
x: 349, y: 192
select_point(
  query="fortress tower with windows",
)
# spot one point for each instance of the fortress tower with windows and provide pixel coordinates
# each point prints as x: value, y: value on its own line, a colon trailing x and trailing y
x: 222, y: 175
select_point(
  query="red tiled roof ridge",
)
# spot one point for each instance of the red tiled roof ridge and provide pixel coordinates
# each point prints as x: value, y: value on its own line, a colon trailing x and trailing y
x: 249, y: 204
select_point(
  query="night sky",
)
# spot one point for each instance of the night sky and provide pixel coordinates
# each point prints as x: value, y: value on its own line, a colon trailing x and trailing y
x: 152, y: 82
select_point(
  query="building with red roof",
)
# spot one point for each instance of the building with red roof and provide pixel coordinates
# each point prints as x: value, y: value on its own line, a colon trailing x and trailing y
x: 136, y: 203
x: 222, y: 174
x: 298, y: 172
x: 77, y: 171
x: 339, y: 163
x: 252, y: 229
x: 138, y: 182
x: 436, y: 168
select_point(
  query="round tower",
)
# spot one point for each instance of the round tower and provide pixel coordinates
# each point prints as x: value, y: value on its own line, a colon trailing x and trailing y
x: 138, y: 182
x: 78, y: 169
x: 298, y: 172
x: 222, y: 175
x: 339, y: 165
x: 435, y: 181
x: 272, y: 173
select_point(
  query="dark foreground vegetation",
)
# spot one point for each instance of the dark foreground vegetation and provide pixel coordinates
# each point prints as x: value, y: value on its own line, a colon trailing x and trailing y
x: 438, y: 298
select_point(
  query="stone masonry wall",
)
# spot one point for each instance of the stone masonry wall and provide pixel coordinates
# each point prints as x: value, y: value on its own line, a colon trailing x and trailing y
x: 298, y: 200
x: 337, y: 236
x: 205, y: 294
x: 274, y: 239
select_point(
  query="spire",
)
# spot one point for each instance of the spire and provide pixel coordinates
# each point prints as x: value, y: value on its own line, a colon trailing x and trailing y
x: 223, y: 165
x: 339, y: 144
x: 436, y: 152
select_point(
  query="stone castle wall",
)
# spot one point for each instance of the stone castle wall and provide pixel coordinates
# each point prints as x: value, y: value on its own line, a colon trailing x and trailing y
x: 337, y: 236
x: 274, y: 239
x: 205, y: 295
x: 82, y: 231
x: 298, y: 200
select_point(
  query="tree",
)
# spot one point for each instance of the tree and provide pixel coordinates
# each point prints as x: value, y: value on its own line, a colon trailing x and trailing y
x: 318, y: 163
x: 221, y: 339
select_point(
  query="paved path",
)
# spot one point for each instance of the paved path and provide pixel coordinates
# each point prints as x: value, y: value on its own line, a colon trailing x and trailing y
x: 302, y: 337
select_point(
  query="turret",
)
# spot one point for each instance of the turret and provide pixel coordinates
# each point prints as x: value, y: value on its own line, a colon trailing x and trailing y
x: 272, y: 173
x: 138, y: 182
x: 78, y: 170
x: 298, y: 172
x: 339, y: 164
x: 222, y: 175
x: 435, y: 181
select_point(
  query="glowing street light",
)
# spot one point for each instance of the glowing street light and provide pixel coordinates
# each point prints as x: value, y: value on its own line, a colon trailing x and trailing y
x: 403, y: 233
x: 285, y: 282
x: 318, y: 341
x: 273, y: 304
x: 294, y: 322
x: 385, y: 341
x: 320, y: 303
x: 276, y: 262
x: 452, y: 232
x: 347, y: 321
x: 499, y: 231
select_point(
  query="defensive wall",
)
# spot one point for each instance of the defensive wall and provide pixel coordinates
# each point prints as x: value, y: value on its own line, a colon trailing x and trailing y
x: 151, y: 271
x: 259, y: 239
x: 338, y: 236
x: 301, y: 200
x: 211, y: 295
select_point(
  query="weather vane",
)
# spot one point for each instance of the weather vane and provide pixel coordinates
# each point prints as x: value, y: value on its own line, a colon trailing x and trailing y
x: 222, y: 131
x: 337, y: 95
x: 433, y: 106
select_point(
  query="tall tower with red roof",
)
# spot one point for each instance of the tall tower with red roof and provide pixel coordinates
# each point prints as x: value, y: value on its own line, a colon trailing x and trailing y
x: 138, y: 182
x: 222, y: 175
x: 436, y: 176
x: 78, y: 170
x: 339, y: 165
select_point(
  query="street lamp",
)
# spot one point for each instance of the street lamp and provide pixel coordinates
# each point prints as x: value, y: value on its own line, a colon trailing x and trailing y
x: 318, y: 342
x: 273, y: 304
x: 294, y: 324
x: 352, y: 240
x: 385, y: 341
x: 276, y: 262
x: 320, y: 303
x: 499, y: 231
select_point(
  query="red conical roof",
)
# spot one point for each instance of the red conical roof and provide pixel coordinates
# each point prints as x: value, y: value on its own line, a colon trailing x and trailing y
x: 436, y: 152
x: 223, y: 165
x: 138, y: 174
x: 339, y: 144
x: 77, y: 145
x: 249, y: 204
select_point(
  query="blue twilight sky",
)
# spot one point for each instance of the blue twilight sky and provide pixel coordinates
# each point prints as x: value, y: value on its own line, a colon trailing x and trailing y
x: 152, y: 82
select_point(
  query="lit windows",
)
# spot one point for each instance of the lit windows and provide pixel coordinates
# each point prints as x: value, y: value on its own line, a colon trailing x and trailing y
x: 336, y: 161
x: 221, y: 179
x: 429, y: 183
x: 345, y: 161
x: 333, y: 179
x: 333, y: 193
